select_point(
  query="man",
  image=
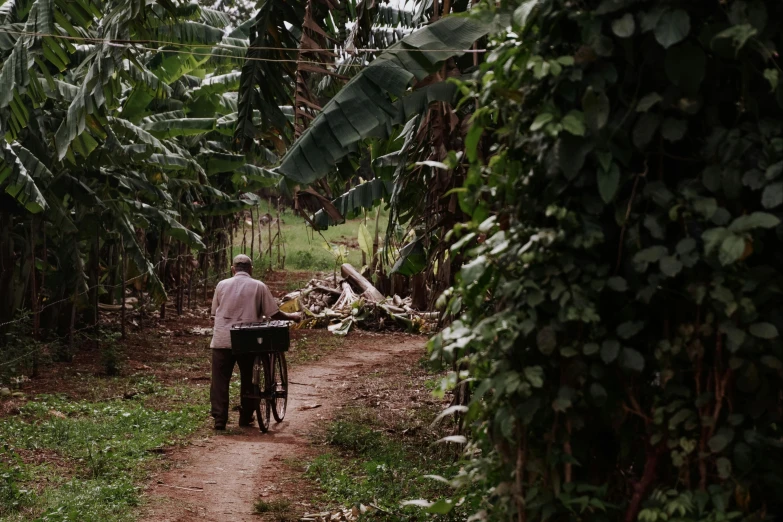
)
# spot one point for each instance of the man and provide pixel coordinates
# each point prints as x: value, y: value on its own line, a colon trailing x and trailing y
x: 239, y: 299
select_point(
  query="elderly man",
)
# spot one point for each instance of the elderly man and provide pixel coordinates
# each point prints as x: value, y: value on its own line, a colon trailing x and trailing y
x: 239, y: 299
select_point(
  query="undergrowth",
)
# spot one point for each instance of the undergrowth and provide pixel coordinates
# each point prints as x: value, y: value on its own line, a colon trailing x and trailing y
x: 377, y: 466
x: 95, y: 454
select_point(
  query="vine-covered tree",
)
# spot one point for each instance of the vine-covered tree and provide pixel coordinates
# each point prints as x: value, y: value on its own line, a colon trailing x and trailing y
x: 619, y: 316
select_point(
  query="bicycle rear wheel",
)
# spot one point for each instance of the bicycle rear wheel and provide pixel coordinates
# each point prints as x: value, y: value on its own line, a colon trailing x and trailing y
x: 261, y: 383
x: 279, y: 386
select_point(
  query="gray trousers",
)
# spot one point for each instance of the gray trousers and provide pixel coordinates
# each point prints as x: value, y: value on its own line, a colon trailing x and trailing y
x: 223, y: 362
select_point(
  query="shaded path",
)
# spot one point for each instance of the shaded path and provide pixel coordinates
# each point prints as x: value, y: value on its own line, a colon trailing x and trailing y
x: 221, y: 477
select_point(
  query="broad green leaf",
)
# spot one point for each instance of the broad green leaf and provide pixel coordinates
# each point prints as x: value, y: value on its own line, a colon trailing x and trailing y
x: 617, y: 283
x: 672, y: 27
x: 609, y: 351
x: 721, y: 440
x: 365, y: 240
x: 598, y: 393
x: 522, y: 13
x: 534, y: 375
x: 441, y: 507
x: 724, y: 468
x: 604, y: 159
x: 754, y: 220
x: 629, y: 329
x: 670, y: 266
x: 731, y: 249
x: 632, y: 360
x: 713, y: 238
x: 650, y: 254
x: 596, y: 109
x: 648, y: 101
x: 624, y: 26
x: 474, y: 269
x: 772, y: 197
x: 771, y: 361
x: 674, y: 129
x: 541, y: 120
x: 734, y: 336
x: 366, y: 105
x: 764, y: 330
x: 574, y: 122
x: 686, y: 66
x: 18, y: 182
x: 609, y: 182
x: 590, y: 349
x: 773, y: 77
x: 739, y: 34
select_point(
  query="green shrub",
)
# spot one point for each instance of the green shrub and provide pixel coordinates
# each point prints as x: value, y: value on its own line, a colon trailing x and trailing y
x: 620, y: 307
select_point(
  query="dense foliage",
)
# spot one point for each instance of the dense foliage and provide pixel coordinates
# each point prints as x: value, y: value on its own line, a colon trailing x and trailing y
x: 117, y: 120
x: 620, y: 311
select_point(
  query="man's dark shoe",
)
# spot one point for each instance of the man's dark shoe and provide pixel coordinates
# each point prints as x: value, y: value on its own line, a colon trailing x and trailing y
x: 220, y: 426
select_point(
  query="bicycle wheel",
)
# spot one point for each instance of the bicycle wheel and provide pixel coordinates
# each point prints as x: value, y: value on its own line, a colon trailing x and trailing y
x: 260, y: 389
x: 279, y: 386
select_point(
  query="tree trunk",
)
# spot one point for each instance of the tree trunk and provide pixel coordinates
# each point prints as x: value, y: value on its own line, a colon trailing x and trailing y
x: 206, y: 272
x: 368, y: 289
x: 252, y: 235
x: 34, y: 296
x: 124, y: 268
x: 96, y: 278
x: 162, y: 272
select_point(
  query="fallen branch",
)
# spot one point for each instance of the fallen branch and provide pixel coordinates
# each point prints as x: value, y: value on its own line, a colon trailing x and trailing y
x: 194, y: 488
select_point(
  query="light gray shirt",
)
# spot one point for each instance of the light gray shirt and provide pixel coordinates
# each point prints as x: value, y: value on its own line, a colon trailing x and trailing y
x: 239, y: 299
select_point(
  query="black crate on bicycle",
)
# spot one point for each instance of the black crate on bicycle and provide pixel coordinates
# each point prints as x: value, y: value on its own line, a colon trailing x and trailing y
x: 262, y: 337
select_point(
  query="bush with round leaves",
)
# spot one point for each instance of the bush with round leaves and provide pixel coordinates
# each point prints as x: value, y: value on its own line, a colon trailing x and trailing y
x: 619, y: 315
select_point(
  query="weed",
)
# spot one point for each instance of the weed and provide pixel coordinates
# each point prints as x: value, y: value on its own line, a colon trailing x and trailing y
x: 351, y: 436
x: 110, y: 355
x: 12, y: 496
x: 104, y: 446
x: 370, y: 466
x: 278, y: 509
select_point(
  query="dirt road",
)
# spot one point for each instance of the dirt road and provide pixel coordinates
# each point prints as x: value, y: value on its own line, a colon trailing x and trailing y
x: 221, y: 477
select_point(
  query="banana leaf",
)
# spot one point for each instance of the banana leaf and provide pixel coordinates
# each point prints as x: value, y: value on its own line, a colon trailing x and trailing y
x: 365, y: 106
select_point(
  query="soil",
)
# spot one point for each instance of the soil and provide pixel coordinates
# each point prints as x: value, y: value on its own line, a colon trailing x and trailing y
x: 223, y: 476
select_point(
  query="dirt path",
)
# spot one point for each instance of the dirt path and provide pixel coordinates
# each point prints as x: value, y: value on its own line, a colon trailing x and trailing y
x: 221, y: 478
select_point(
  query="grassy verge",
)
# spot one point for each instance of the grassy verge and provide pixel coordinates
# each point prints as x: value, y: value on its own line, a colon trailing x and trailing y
x: 381, y: 448
x: 64, y: 460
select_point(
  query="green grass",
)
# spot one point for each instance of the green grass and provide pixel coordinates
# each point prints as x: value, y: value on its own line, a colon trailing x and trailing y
x: 96, y: 453
x: 305, y: 251
x: 367, y: 465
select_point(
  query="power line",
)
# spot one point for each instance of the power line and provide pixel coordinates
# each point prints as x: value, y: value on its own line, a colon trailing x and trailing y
x: 138, y: 44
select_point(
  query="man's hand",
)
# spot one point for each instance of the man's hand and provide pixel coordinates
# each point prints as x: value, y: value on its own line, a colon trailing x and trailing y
x: 282, y: 316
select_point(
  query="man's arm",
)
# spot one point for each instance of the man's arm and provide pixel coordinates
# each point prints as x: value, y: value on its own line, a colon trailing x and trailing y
x: 283, y: 316
x: 269, y: 307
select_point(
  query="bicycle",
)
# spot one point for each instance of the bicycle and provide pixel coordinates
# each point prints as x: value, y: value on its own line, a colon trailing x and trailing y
x: 268, y: 341
x: 270, y: 374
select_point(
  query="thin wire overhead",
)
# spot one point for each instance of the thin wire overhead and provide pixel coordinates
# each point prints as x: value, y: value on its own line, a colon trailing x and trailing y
x: 136, y: 43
